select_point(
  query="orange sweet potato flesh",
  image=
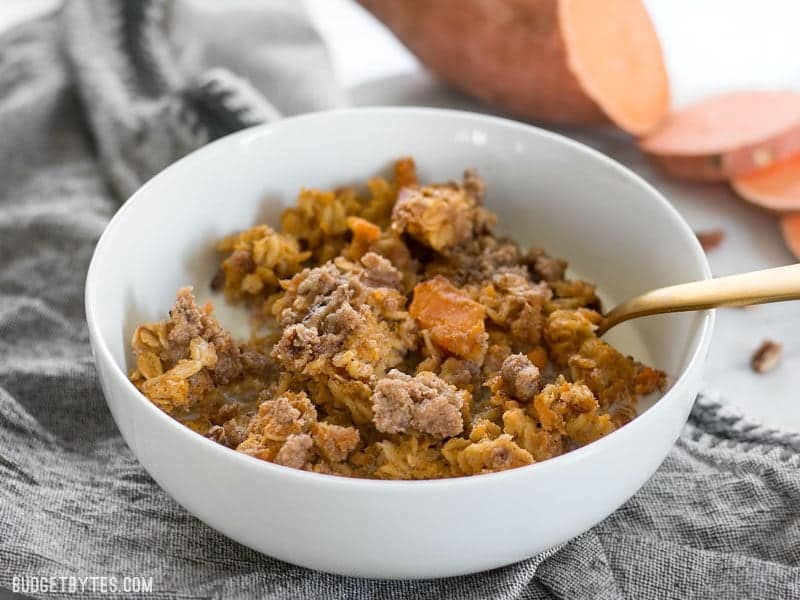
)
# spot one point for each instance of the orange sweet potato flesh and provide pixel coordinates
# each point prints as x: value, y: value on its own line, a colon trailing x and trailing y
x: 614, y: 51
x: 364, y: 231
x: 405, y: 173
x: 727, y: 136
x: 455, y: 321
x: 558, y: 61
x: 790, y: 229
x: 775, y: 188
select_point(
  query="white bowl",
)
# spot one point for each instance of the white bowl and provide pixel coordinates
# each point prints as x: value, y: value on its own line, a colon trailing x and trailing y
x: 547, y: 190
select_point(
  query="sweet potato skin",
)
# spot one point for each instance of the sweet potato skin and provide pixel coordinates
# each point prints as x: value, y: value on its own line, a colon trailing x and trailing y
x: 727, y: 136
x: 558, y: 61
x: 722, y: 166
x: 701, y: 169
x: 509, y: 54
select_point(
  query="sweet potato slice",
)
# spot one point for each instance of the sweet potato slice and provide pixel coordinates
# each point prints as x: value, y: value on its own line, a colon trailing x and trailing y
x: 790, y: 229
x: 727, y: 136
x: 613, y: 50
x: 455, y: 321
x: 559, y: 61
x: 776, y: 187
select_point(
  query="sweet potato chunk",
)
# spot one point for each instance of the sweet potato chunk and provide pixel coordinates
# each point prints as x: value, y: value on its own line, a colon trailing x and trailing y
x: 455, y: 321
x: 365, y: 234
x: 363, y: 230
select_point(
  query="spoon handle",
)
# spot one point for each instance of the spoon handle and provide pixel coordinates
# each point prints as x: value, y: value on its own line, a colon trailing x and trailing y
x: 757, y: 287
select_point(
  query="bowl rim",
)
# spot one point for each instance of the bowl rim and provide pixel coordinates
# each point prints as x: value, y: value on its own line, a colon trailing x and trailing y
x: 699, y: 339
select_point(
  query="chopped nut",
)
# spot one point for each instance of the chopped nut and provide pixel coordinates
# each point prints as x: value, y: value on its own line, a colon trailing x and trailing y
x: 766, y: 357
x: 218, y: 281
x: 204, y: 352
x: 710, y: 239
x: 227, y: 411
x: 217, y: 434
x: 235, y: 434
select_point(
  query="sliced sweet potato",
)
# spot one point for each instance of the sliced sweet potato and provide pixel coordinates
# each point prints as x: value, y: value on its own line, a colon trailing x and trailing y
x: 614, y: 52
x: 776, y: 187
x: 727, y: 136
x: 790, y: 229
x: 455, y: 321
x: 560, y: 61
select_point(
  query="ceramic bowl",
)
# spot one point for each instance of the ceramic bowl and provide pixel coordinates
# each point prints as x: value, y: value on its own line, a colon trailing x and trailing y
x: 547, y: 190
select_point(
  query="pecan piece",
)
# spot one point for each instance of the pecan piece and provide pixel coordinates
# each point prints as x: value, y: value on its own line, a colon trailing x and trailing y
x: 766, y: 357
x: 710, y: 239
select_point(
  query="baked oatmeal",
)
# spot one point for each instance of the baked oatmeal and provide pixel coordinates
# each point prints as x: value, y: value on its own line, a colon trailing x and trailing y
x: 395, y: 336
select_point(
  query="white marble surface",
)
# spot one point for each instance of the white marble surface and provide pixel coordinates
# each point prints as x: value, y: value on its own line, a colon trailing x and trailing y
x: 377, y: 70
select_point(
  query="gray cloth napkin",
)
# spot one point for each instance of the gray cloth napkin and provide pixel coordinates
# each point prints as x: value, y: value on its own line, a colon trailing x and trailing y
x: 98, y: 98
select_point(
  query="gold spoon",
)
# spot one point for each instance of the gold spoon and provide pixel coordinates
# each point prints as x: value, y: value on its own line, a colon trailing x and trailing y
x: 757, y: 287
